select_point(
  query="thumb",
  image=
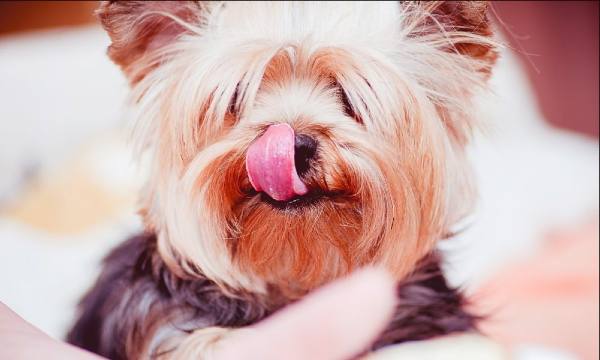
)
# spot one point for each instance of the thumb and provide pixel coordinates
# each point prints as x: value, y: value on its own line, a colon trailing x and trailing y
x: 335, y: 322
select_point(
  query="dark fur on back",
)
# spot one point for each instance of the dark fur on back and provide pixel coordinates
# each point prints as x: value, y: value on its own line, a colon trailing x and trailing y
x: 136, y: 299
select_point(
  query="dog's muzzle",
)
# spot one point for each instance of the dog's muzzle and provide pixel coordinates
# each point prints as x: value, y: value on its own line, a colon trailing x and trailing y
x: 276, y: 160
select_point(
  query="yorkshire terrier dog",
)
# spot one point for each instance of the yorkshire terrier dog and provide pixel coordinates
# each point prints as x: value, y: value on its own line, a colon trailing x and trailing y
x: 289, y: 144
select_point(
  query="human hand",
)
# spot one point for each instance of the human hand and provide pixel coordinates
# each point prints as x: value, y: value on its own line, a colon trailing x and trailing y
x: 335, y: 322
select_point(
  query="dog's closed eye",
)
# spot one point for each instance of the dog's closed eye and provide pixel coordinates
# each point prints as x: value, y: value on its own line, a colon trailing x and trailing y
x: 345, y: 102
x: 233, y: 107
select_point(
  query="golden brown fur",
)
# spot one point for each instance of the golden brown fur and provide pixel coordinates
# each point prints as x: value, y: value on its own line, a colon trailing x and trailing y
x: 385, y: 90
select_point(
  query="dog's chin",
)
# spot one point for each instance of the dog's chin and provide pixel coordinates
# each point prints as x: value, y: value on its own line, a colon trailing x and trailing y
x: 298, y: 244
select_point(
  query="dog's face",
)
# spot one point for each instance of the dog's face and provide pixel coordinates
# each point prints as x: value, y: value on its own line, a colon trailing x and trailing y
x: 291, y: 143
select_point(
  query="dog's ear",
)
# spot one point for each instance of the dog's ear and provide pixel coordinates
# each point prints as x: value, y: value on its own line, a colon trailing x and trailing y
x: 471, y: 16
x: 138, y: 28
x: 465, y: 25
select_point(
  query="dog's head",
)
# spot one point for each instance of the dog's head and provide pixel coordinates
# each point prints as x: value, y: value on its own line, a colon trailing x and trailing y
x: 293, y: 142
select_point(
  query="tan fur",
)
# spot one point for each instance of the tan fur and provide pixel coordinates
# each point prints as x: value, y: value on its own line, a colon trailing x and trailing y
x: 392, y: 172
x: 201, y: 344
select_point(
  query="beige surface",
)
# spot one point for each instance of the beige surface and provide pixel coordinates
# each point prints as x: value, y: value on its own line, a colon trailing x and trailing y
x: 457, y: 347
x: 91, y: 188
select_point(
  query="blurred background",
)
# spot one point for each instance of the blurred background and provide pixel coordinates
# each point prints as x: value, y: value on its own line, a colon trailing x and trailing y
x: 529, y: 257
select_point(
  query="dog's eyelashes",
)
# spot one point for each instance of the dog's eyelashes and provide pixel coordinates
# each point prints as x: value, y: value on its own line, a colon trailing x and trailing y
x: 233, y: 108
x: 346, y: 104
x: 231, y: 117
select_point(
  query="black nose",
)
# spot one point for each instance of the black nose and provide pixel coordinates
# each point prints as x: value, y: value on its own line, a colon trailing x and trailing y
x: 305, y: 149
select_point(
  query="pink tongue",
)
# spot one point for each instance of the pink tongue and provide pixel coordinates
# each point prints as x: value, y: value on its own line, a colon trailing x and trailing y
x: 270, y: 164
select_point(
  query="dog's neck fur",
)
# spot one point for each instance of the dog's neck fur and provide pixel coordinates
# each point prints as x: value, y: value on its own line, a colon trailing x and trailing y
x: 138, y: 305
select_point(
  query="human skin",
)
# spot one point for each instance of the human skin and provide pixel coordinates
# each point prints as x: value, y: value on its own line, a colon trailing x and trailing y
x: 335, y: 322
